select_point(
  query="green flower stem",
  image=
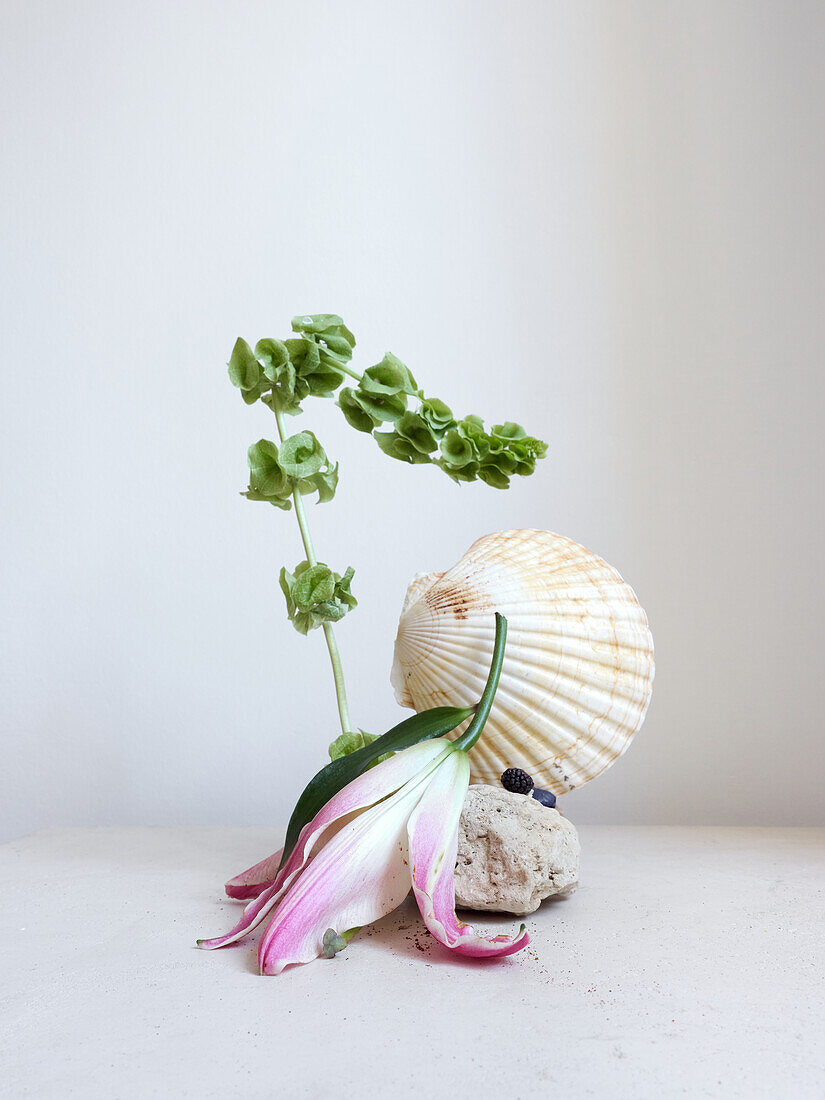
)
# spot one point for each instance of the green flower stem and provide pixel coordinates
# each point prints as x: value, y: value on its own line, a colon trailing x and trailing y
x: 309, y: 549
x: 348, y: 370
x: 338, y: 673
x: 473, y: 731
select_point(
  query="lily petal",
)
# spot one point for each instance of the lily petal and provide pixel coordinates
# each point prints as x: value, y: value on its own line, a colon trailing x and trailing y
x: 256, y: 879
x: 360, y: 875
x: 372, y: 787
x: 433, y: 843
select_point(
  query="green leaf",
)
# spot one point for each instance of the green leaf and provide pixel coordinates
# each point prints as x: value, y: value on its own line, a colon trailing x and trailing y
x: 251, y: 396
x: 334, y: 343
x: 328, y: 328
x: 456, y: 450
x: 325, y: 482
x: 279, y: 374
x: 342, y: 586
x: 312, y: 586
x: 459, y: 456
x: 393, y: 445
x: 323, y: 380
x: 383, y: 407
x: 508, y: 431
x: 244, y: 368
x: 416, y: 430
x: 273, y: 356
x: 368, y: 740
x: 350, y: 405
x: 438, y: 416
x: 267, y: 479
x: 496, y: 467
x: 301, y: 455
x: 472, y: 428
x: 284, y: 396
x: 334, y: 777
x: 303, y: 354
x: 459, y: 473
x: 280, y: 502
x: 318, y: 324
x: 502, y: 461
x: 315, y: 373
x: 346, y: 743
x: 338, y: 346
x: 493, y: 477
x: 526, y: 451
x: 388, y: 377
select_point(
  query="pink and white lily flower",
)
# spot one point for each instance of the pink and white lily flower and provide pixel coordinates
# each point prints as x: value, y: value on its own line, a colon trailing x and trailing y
x: 393, y: 827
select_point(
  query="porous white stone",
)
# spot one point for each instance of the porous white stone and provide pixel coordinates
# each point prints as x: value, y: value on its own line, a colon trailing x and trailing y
x: 512, y: 852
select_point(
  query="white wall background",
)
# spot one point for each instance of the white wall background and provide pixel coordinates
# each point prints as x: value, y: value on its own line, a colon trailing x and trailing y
x: 604, y: 220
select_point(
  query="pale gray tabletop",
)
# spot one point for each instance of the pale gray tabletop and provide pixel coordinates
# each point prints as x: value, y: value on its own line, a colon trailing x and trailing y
x: 691, y: 962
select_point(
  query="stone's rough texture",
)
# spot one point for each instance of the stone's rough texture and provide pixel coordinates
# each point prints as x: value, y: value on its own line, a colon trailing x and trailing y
x: 512, y: 852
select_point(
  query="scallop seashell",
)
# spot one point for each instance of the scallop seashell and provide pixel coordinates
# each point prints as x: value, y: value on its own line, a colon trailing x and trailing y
x: 578, y: 668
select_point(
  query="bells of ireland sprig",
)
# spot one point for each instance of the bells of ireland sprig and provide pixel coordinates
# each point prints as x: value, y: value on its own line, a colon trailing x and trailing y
x: 267, y: 480
x: 315, y: 595
x: 458, y: 456
x: 299, y: 463
x: 385, y: 402
x: 430, y: 433
x: 381, y: 396
x: 279, y: 372
x: 332, y: 337
x: 524, y: 448
x: 351, y: 742
x: 314, y: 375
x: 412, y: 440
x: 390, y: 376
x: 284, y: 372
x: 468, y: 452
x: 246, y: 372
x: 438, y: 416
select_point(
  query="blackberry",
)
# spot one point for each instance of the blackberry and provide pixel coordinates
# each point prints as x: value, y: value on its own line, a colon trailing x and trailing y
x: 517, y: 781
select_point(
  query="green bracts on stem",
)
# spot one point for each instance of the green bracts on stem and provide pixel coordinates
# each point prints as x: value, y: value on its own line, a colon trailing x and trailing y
x: 313, y: 362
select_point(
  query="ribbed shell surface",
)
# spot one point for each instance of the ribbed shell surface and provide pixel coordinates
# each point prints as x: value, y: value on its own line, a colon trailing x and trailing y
x: 578, y: 667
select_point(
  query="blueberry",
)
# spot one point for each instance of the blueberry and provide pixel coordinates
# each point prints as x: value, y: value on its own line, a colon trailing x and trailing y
x: 546, y: 798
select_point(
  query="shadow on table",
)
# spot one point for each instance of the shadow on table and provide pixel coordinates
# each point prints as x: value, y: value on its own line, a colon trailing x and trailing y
x: 401, y: 933
x: 404, y: 933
